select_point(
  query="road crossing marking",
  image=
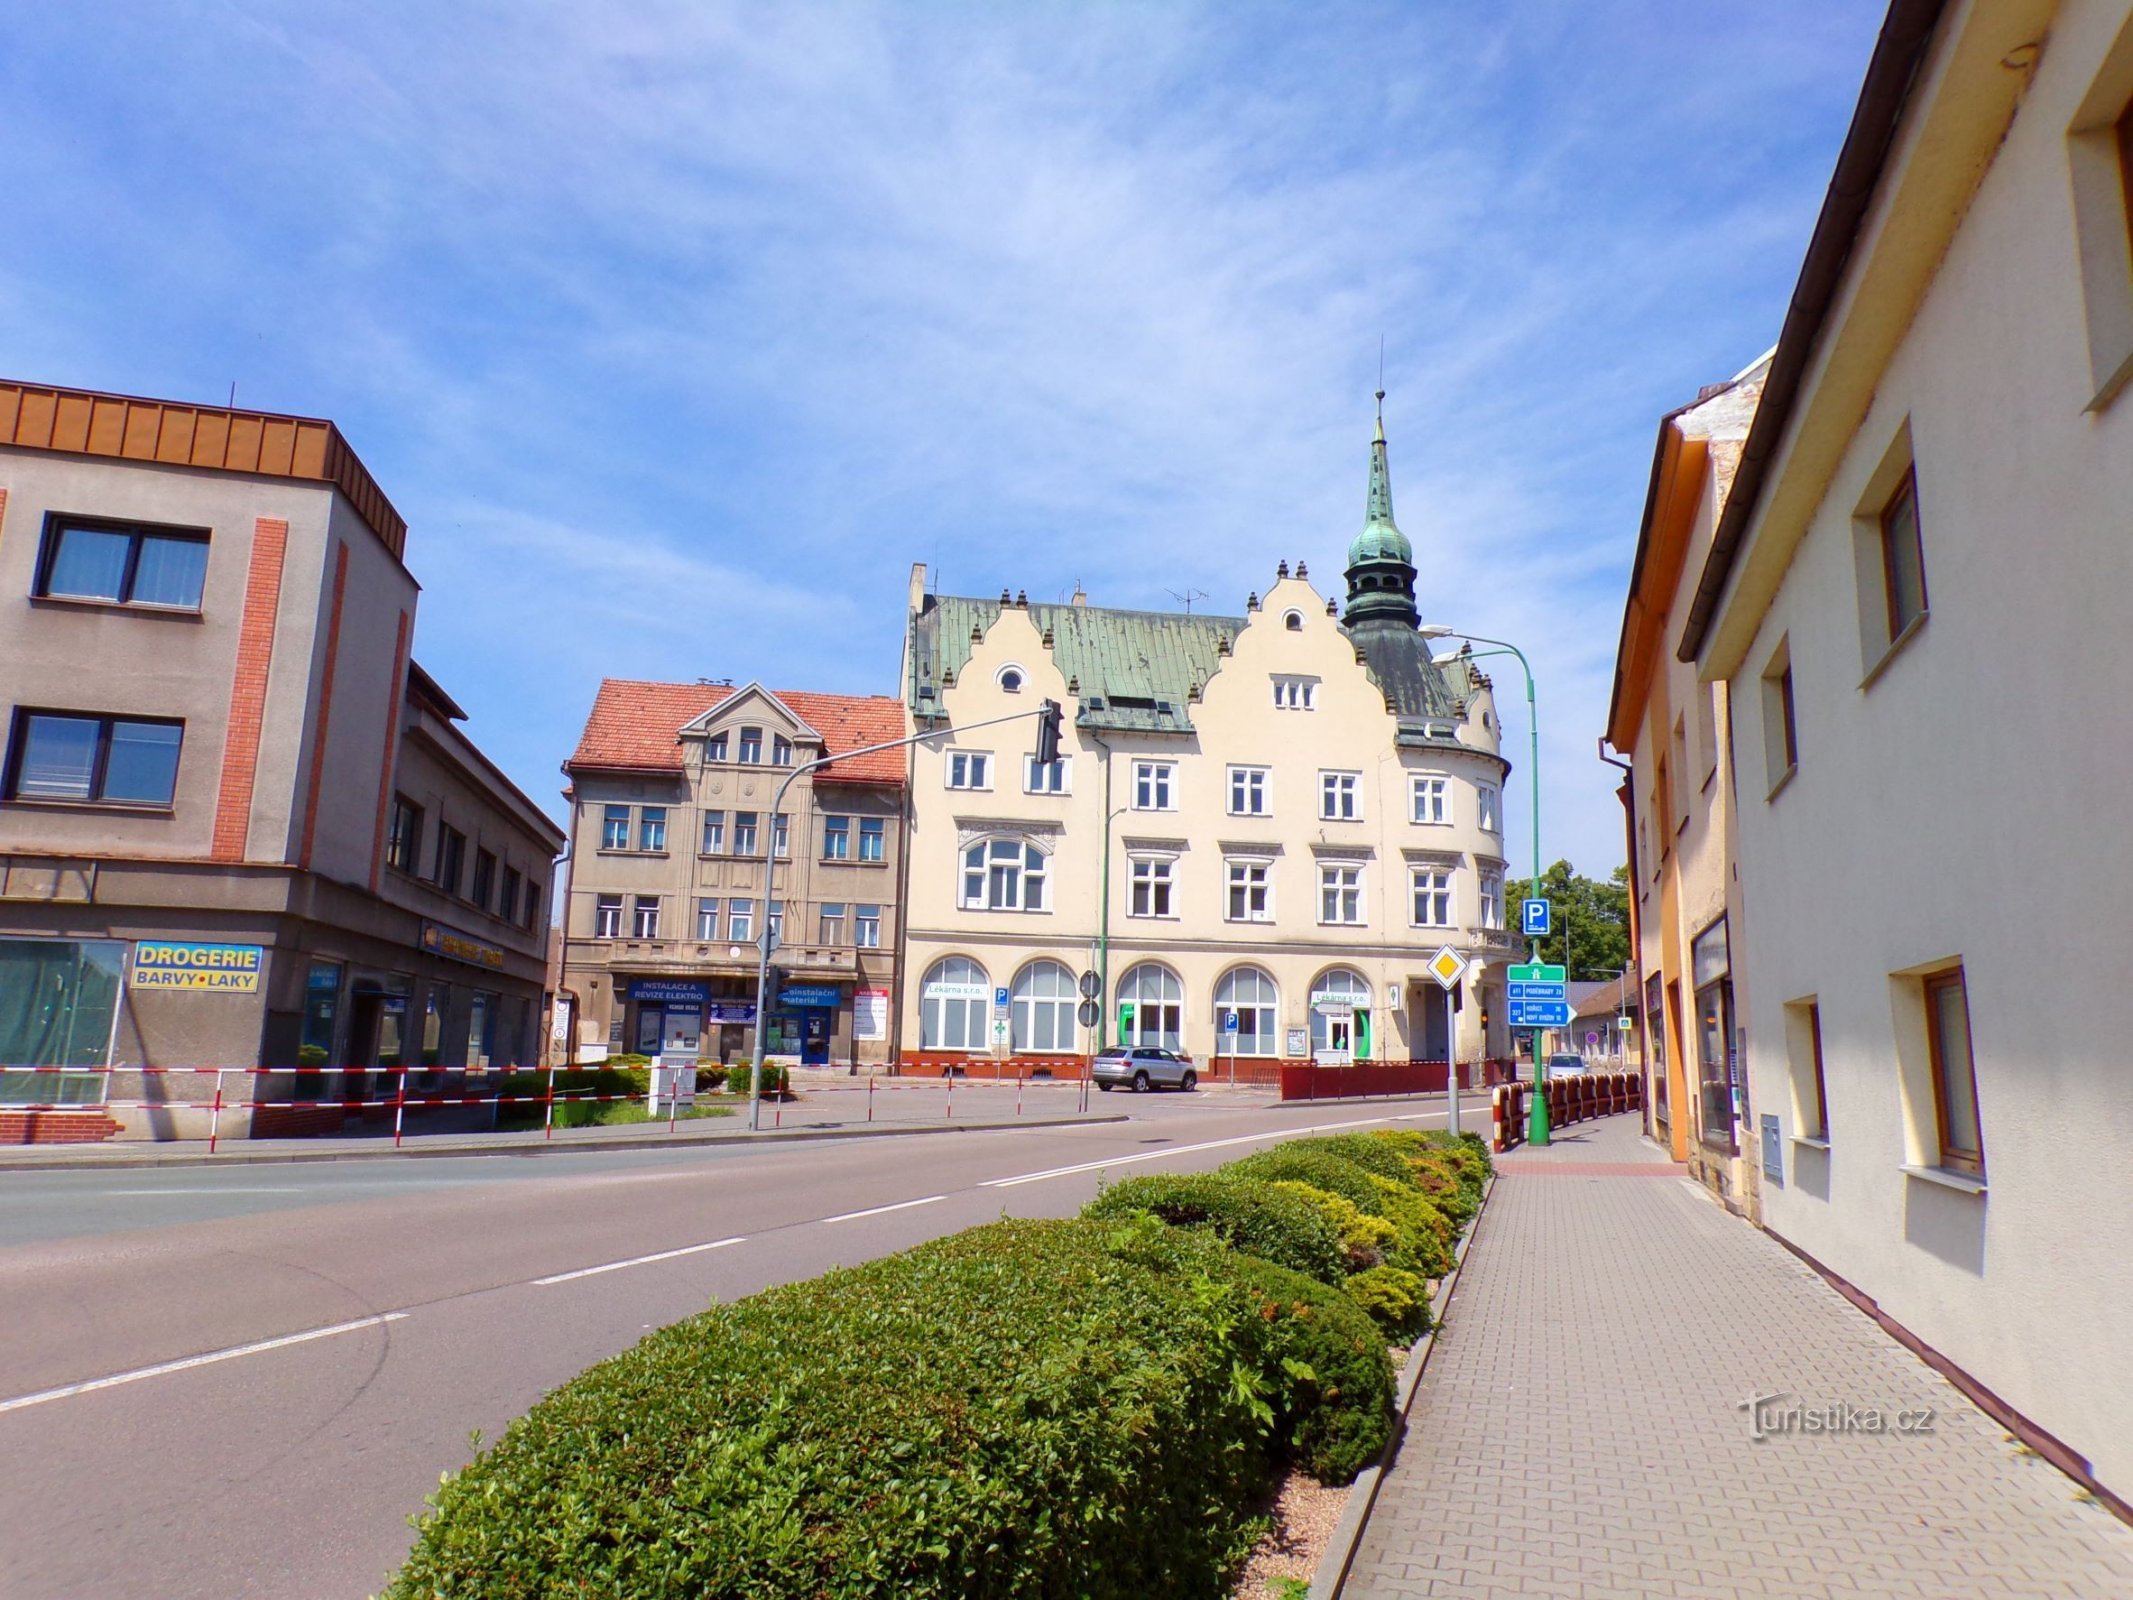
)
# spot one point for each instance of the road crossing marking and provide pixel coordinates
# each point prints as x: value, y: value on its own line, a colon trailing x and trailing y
x: 638, y: 1261
x: 164, y: 1367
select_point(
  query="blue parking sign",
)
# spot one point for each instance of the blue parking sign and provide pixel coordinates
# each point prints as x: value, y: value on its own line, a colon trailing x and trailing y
x: 1533, y: 919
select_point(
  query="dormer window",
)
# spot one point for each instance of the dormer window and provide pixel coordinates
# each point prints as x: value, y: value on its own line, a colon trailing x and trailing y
x: 1295, y: 694
x: 715, y: 747
x: 752, y: 746
x: 780, y: 751
x: 1293, y: 621
x: 1010, y: 680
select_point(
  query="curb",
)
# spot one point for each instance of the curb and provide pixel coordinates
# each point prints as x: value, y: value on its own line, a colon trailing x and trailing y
x: 674, y: 1141
x: 1332, y: 1574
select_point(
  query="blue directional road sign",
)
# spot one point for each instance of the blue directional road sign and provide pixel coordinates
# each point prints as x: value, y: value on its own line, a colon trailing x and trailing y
x: 1540, y: 1013
x: 1533, y: 919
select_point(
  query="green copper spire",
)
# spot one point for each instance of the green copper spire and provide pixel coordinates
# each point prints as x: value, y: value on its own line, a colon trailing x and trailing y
x: 1381, y: 538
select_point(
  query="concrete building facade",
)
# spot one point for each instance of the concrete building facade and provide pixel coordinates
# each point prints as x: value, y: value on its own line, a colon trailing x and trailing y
x: 1915, y: 602
x: 1259, y: 828
x: 673, y: 791
x: 220, y: 763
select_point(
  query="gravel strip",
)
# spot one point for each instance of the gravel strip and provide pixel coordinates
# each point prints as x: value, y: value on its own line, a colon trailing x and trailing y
x: 1305, y: 1512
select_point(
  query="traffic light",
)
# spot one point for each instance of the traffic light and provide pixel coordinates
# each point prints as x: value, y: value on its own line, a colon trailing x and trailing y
x: 1047, y: 733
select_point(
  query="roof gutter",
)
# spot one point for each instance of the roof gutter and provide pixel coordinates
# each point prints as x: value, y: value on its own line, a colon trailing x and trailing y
x: 1906, y: 34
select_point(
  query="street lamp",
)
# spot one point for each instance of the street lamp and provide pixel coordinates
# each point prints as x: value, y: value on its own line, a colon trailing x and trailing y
x: 1537, y: 1125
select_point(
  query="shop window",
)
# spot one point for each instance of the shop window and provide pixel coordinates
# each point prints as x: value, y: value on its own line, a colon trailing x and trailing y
x: 59, y: 1003
x: 1340, y: 1014
x: 1251, y: 994
x: 481, y: 1022
x: 123, y: 564
x: 1151, y: 1008
x: 93, y: 760
x: 955, y: 1006
x: 322, y: 1004
x: 1041, y: 1014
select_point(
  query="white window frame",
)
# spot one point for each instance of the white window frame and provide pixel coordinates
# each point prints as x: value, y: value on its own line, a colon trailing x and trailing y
x: 707, y: 923
x: 1343, y: 881
x: 836, y: 837
x: 1153, y: 883
x: 1436, y: 910
x: 1049, y: 1012
x: 964, y: 1019
x: 740, y: 922
x: 1155, y: 785
x: 1340, y: 796
x: 1292, y: 693
x: 1491, y: 900
x: 866, y: 927
x: 1058, y: 776
x: 969, y: 769
x: 644, y: 916
x: 607, y: 916
x: 1011, y: 874
x: 1167, y: 1008
x: 1254, y: 786
x: 1488, y: 807
x: 830, y: 920
x: 1238, y: 880
x: 1263, y: 1039
x: 1429, y: 799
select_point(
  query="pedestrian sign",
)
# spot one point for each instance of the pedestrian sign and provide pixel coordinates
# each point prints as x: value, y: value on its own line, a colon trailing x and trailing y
x: 1533, y: 919
x: 1447, y: 966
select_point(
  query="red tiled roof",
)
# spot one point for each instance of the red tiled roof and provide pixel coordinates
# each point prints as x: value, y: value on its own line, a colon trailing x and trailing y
x: 633, y: 727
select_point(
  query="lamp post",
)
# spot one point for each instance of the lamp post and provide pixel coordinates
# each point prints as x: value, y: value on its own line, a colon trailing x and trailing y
x: 1537, y: 1123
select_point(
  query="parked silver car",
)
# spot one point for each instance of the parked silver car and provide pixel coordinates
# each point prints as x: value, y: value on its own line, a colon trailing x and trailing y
x: 1143, y: 1067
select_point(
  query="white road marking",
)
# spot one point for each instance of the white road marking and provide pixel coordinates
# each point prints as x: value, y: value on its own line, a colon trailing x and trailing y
x: 136, y: 1194
x: 639, y: 1261
x: 162, y: 1368
x: 875, y: 1211
x: 1211, y: 1144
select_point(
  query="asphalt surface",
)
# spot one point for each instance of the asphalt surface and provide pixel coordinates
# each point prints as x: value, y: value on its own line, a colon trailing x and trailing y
x: 242, y: 1382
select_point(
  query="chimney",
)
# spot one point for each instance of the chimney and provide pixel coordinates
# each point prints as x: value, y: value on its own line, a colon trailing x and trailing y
x: 1081, y: 597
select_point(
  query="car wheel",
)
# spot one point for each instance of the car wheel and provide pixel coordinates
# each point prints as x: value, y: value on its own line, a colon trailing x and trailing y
x: 1189, y: 1082
x: 1105, y: 1087
x: 1140, y: 1083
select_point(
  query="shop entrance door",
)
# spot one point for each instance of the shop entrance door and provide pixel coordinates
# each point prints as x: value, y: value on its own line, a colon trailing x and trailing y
x: 815, y: 1038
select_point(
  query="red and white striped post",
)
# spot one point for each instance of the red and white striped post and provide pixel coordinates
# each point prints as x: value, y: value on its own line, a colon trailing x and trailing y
x: 400, y: 1106
x: 214, y: 1117
x: 548, y: 1115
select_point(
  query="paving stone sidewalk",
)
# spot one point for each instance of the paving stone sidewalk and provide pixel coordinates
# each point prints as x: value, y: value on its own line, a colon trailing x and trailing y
x: 1579, y: 1431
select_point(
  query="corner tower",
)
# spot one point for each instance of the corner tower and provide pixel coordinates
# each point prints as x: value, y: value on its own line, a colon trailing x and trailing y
x: 1381, y: 563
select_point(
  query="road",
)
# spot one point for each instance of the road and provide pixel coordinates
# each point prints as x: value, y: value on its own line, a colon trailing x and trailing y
x: 225, y: 1382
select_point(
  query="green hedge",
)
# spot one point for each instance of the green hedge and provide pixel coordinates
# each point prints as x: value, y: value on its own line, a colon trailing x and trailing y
x: 568, y: 1081
x: 1245, y: 1214
x: 740, y: 1074
x: 1425, y: 1233
x: 1026, y: 1409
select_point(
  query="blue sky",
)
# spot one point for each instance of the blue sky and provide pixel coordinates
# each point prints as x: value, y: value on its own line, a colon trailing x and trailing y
x: 678, y: 331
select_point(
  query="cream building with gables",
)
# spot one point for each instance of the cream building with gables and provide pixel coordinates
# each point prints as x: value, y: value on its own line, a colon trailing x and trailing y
x: 1277, y: 817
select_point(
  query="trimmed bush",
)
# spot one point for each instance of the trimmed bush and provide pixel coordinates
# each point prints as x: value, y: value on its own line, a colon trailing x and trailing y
x: 1370, y: 1151
x: 776, y: 1079
x: 1244, y: 1213
x: 1336, y: 1412
x: 1044, y: 1409
x: 1425, y: 1234
x: 1397, y: 1301
x: 1364, y: 1238
x: 569, y: 1113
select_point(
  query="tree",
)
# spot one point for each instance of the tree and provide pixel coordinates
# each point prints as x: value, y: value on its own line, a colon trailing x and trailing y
x: 1591, y: 921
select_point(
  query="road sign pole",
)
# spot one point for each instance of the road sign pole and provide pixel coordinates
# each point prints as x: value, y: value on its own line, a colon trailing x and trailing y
x: 1451, y: 1066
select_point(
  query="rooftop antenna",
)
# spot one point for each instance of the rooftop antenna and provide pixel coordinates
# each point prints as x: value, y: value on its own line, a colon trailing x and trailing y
x: 1187, y: 598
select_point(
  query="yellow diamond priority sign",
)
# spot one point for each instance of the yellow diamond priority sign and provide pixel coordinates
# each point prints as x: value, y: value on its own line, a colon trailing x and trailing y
x: 1446, y: 966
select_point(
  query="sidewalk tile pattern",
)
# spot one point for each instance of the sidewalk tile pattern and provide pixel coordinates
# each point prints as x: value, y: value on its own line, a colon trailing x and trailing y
x: 1580, y: 1434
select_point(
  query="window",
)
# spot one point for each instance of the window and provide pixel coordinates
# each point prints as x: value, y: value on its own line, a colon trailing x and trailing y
x: 59, y: 1003
x: 836, y: 838
x: 1492, y: 900
x: 780, y: 750
x: 645, y: 924
x: 1488, y: 807
x: 751, y: 746
x: 607, y: 917
x: 1432, y: 897
x: 403, y: 844
x: 714, y: 833
x: 652, y: 828
x: 955, y: 1003
x: 873, y: 839
x: 866, y: 927
x: 481, y: 1025
x: 740, y: 922
x: 507, y: 908
x: 1781, y: 739
x: 744, y: 835
x: 1903, y: 560
x: 715, y: 747
x: 777, y: 925
x: 1716, y: 1063
x: 1251, y: 994
x: 615, y: 828
x: 1680, y: 769
x: 1340, y: 893
x: 1707, y: 733
x: 1154, y: 785
x: 1340, y: 1014
x: 832, y: 922
x: 1803, y: 1040
x: 1009, y: 679
x: 1251, y: 896
x: 781, y: 835
x: 1003, y: 875
x: 122, y: 563
x: 1248, y: 792
x: 1151, y: 1008
x: 484, y: 879
x: 533, y: 906
x: 1041, y: 1013
x: 451, y: 858
x: 1049, y: 777
x: 969, y: 769
x: 1293, y: 621
x: 1338, y: 797
x: 707, y: 920
x: 1151, y: 889
x: 120, y: 761
x: 1295, y: 694
x: 1430, y: 798
x: 1962, y: 1143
